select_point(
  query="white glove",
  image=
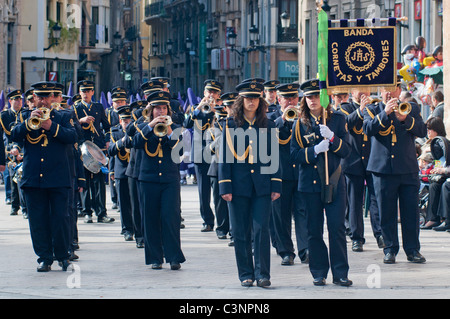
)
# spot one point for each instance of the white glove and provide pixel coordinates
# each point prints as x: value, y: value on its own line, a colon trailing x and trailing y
x: 326, y: 132
x: 322, y: 147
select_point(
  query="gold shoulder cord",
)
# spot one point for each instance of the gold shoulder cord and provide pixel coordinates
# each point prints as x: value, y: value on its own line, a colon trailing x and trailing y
x: 298, y: 135
x: 231, y: 147
x: 157, y: 152
x: 204, y: 127
x: 359, y: 132
x: 283, y: 142
x: 38, y: 139
x: 125, y: 157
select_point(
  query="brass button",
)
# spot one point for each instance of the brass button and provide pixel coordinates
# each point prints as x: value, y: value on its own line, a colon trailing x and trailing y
x: 252, y: 171
x: 363, y: 145
x: 160, y: 174
x: 393, y: 144
x: 314, y: 182
x: 362, y: 157
x: 159, y: 161
x: 392, y: 156
x: 315, y: 166
x: 40, y: 175
x: 42, y: 159
x: 293, y: 165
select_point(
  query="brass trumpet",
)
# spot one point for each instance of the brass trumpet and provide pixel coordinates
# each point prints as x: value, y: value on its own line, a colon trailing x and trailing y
x: 374, y: 100
x: 161, y: 129
x: 403, y: 108
x: 34, y: 122
x: 208, y: 107
x: 291, y: 114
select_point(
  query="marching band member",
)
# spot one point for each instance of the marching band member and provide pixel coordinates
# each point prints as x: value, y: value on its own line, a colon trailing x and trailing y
x: 356, y: 175
x: 46, y: 179
x: 311, y: 141
x: 214, y: 139
x: 202, y: 121
x: 121, y: 155
x: 94, y: 123
x: 159, y: 183
x: 9, y: 119
x: 247, y: 184
x: 394, y: 166
x: 289, y: 205
x: 270, y: 94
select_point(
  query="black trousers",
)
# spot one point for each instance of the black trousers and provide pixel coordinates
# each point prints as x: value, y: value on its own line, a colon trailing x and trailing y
x: 93, y: 198
x: 220, y: 208
x: 49, y: 220
x: 444, y: 206
x: 401, y: 191
x: 250, y: 219
x: 434, y: 200
x: 136, y: 209
x: 288, y: 206
x: 321, y: 257
x: 161, y: 221
x: 123, y: 194
x: 204, y: 193
x: 355, y: 195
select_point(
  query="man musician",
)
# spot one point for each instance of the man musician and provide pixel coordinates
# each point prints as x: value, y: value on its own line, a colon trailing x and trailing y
x: 94, y: 123
x: 46, y: 179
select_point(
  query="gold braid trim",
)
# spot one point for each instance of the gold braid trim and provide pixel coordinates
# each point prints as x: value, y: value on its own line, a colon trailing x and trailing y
x: 125, y: 157
x: 298, y: 135
x: 157, y: 152
x: 38, y: 139
x: 390, y: 130
x: 231, y: 147
x: 204, y: 127
x: 283, y: 142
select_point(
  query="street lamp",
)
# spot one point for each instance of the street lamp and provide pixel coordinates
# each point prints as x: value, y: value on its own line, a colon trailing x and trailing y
x: 285, y: 20
x: 253, y: 34
x: 208, y: 41
x: 56, y: 35
x: 188, y: 43
x: 231, y: 36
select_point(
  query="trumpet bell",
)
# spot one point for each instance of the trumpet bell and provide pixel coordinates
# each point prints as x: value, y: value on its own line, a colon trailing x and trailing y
x: 374, y: 100
x: 161, y: 129
x: 404, y: 108
x: 291, y: 114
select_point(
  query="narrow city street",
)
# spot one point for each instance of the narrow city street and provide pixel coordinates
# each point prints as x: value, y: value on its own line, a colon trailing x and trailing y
x: 110, y: 268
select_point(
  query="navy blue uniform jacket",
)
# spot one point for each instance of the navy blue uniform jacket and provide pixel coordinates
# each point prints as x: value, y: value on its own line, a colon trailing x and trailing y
x: 46, y: 153
x: 240, y: 177
x: 393, y: 149
x: 303, y: 141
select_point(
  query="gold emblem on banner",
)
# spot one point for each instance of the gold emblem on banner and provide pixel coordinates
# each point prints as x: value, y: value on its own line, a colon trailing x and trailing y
x: 359, y: 56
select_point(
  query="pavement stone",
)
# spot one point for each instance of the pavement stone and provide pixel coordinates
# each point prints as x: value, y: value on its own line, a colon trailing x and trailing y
x: 111, y: 268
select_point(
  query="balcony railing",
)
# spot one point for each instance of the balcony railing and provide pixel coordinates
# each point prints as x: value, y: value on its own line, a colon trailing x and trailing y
x: 288, y: 35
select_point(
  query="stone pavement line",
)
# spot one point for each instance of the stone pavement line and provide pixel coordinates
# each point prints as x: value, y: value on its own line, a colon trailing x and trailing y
x: 109, y: 267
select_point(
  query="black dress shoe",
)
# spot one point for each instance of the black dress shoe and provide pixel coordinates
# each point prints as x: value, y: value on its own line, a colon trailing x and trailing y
x: 128, y: 236
x: 380, y: 242
x: 247, y: 283
x: 14, y: 212
x: 287, y: 260
x: 140, y: 245
x: 264, y: 282
x: 105, y: 220
x: 389, y: 258
x: 206, y: 228
x: 442, y: 227
x: 416, y: 257
x: 175, y: 266
x: 64, y: 264
x: 344, y: 282
x: 319, y: 281
x: 156, y: 266
x: 357, y: 245
x: 8, y: 201
x: 43, y: 267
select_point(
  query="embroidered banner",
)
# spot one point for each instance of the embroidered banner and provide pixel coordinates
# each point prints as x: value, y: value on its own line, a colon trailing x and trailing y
x: 361, y: 57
